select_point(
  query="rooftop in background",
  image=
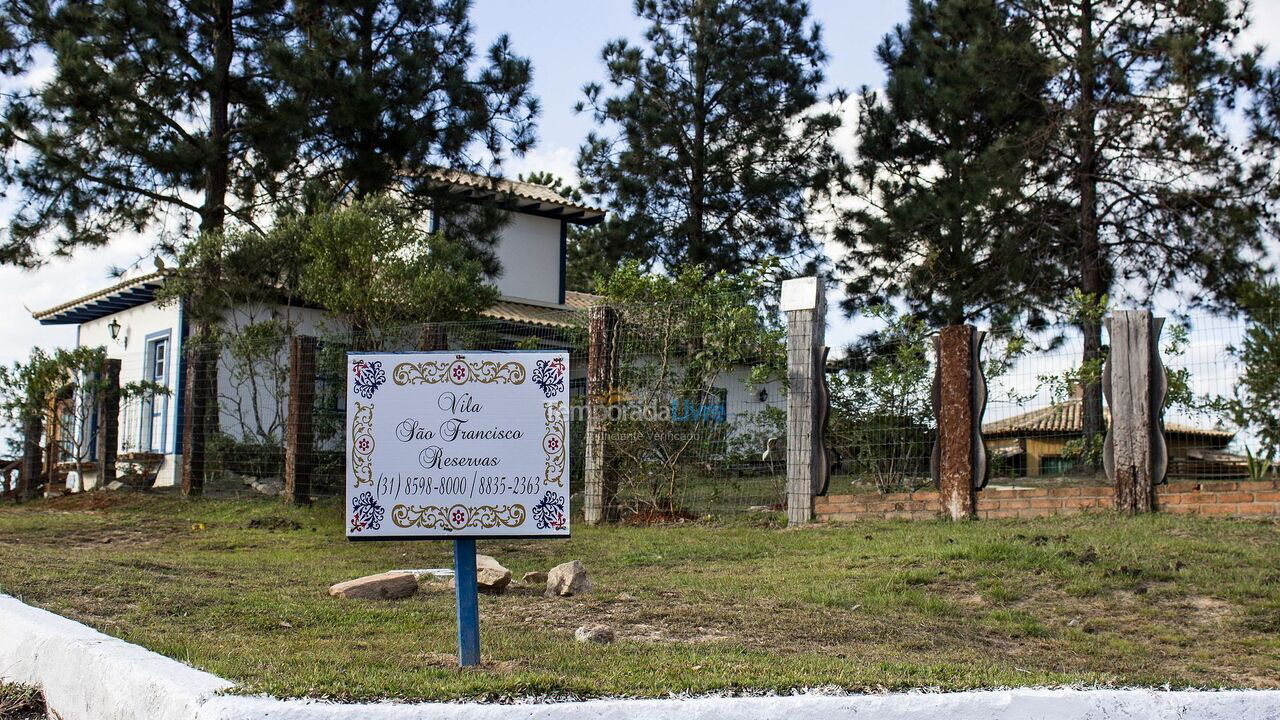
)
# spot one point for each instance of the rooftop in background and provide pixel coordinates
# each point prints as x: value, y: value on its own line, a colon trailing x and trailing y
x: 519, y: 196
x: 527, y: 313
x: 1065, y: 418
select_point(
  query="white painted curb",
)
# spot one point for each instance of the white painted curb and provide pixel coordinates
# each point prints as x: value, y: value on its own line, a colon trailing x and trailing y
x: 89, y: 676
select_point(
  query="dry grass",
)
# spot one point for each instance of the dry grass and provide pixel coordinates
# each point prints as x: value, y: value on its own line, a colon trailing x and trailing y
x: 238, y: 588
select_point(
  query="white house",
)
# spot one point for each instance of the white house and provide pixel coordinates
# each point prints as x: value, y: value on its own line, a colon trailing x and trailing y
x: 148, y: 338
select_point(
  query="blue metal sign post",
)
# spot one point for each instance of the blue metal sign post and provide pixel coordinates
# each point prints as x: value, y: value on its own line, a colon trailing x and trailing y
x: 464, y: 582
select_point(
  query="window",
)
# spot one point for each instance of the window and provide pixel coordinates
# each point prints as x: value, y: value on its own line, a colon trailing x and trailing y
x: 155, y: 408
x: 1055, y: 465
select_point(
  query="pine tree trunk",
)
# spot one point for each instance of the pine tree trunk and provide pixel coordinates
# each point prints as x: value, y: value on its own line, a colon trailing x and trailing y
x: 201, y: 386
x: 1092, y: 283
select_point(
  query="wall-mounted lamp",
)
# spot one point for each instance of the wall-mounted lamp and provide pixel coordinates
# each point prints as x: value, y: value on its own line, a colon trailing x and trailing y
x: 114, y: 328
x: 763, y: 395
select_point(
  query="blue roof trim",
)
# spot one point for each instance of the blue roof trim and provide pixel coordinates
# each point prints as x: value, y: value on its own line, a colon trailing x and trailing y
x: 122, y: 299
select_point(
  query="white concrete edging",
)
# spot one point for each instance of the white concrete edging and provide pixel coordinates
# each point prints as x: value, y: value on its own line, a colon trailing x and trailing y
x: 87, y: 675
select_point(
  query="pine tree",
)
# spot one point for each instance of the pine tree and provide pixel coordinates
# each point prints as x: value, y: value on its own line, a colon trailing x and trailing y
x: 710, y: 142
x: 395, y: 90
x: 946, y: 170
x: 1163, y: 201
x: 155, y: 111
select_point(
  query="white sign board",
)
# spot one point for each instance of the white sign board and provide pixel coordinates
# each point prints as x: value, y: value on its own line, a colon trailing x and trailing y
x: 457, y: 445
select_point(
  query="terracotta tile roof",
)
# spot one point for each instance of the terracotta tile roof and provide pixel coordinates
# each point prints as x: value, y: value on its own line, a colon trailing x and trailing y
x: 541, y: 200
x: 1065, y: 419
x: 562, y: 316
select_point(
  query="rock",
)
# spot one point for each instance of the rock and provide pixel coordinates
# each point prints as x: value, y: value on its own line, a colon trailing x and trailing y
x: 116, y: 485
x: 760, y: 508
x: 568, y: 579
x: 491, y: 577
x: 270, y: 486
x: 594, y: 633
x: 384, y: 586
x: 534, y: 578
x: 493, y: 581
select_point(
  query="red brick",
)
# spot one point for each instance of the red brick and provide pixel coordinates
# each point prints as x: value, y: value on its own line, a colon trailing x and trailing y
x: 1235, y: 497
x: 1066, y: 492
x: 1180, y: 487
x: 1217, y: 509
x: 1180, y: 509
x: 929, y: 496
x: 1267, y: 496
x: 1257, y: 509
x: 1256, y: 485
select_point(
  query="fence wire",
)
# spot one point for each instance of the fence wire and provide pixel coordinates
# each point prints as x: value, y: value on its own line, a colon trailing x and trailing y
x: 692, y: 402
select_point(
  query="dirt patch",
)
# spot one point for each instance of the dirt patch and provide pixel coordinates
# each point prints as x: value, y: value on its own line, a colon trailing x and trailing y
x: 446, y: 660
x: 1206, y: 608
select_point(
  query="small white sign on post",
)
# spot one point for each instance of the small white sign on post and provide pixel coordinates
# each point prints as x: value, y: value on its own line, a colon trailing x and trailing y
x: 457, y: 445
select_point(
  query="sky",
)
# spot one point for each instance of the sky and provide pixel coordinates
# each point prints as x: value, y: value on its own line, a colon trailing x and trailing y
x: 563, y: 38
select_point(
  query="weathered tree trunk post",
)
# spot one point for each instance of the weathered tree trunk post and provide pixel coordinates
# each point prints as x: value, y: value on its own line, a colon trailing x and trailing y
x: 195, y: 416
x: 603, y: 362
x: 804, y: 302
x: 299, y: 431
x: 51, y: 448
x: 29, y: 474
x: 108, y: 422
x: 1134, y: 382
x: 959, y: 461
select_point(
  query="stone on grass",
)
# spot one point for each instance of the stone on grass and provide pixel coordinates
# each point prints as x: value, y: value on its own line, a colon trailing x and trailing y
x: 383, y: 586
x: 594, y: 633
x: 568, y: 579
x: 491, y: 577
x: 536, y: 577
x: 116, y: 485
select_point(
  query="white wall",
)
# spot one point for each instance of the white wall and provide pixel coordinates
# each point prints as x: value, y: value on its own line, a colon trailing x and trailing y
x: 137, y: 324
x: 253, y: 397
x: 529, y: 251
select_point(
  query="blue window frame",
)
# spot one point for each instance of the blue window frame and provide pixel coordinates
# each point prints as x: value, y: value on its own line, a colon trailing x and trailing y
x: 155, y: 408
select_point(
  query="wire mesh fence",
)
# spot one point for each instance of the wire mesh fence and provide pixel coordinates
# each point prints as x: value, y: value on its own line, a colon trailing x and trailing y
x: 691, y: 405
x: 692, y: 409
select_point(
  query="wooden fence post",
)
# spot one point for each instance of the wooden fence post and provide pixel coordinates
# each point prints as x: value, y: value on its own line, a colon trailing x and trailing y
x: 804, y: 302
x: 29, y: 474
x: 603, y: 363
x: 195, y: 416
x: 959, y: 461
x: 1134, y: 384
x: 108, y: 422
x: 300, y: 428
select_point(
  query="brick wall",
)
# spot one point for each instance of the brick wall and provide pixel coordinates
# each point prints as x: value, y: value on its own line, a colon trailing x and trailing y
x: 1245, y: 499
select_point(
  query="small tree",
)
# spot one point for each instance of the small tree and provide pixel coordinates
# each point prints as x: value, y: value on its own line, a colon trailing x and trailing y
x: 680, y: 334
x: 373, y: 267
x: 72, y: 375
x: 1256, y: 396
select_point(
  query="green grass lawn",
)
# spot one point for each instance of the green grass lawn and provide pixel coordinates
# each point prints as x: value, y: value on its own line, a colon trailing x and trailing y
x: 239, y: 588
